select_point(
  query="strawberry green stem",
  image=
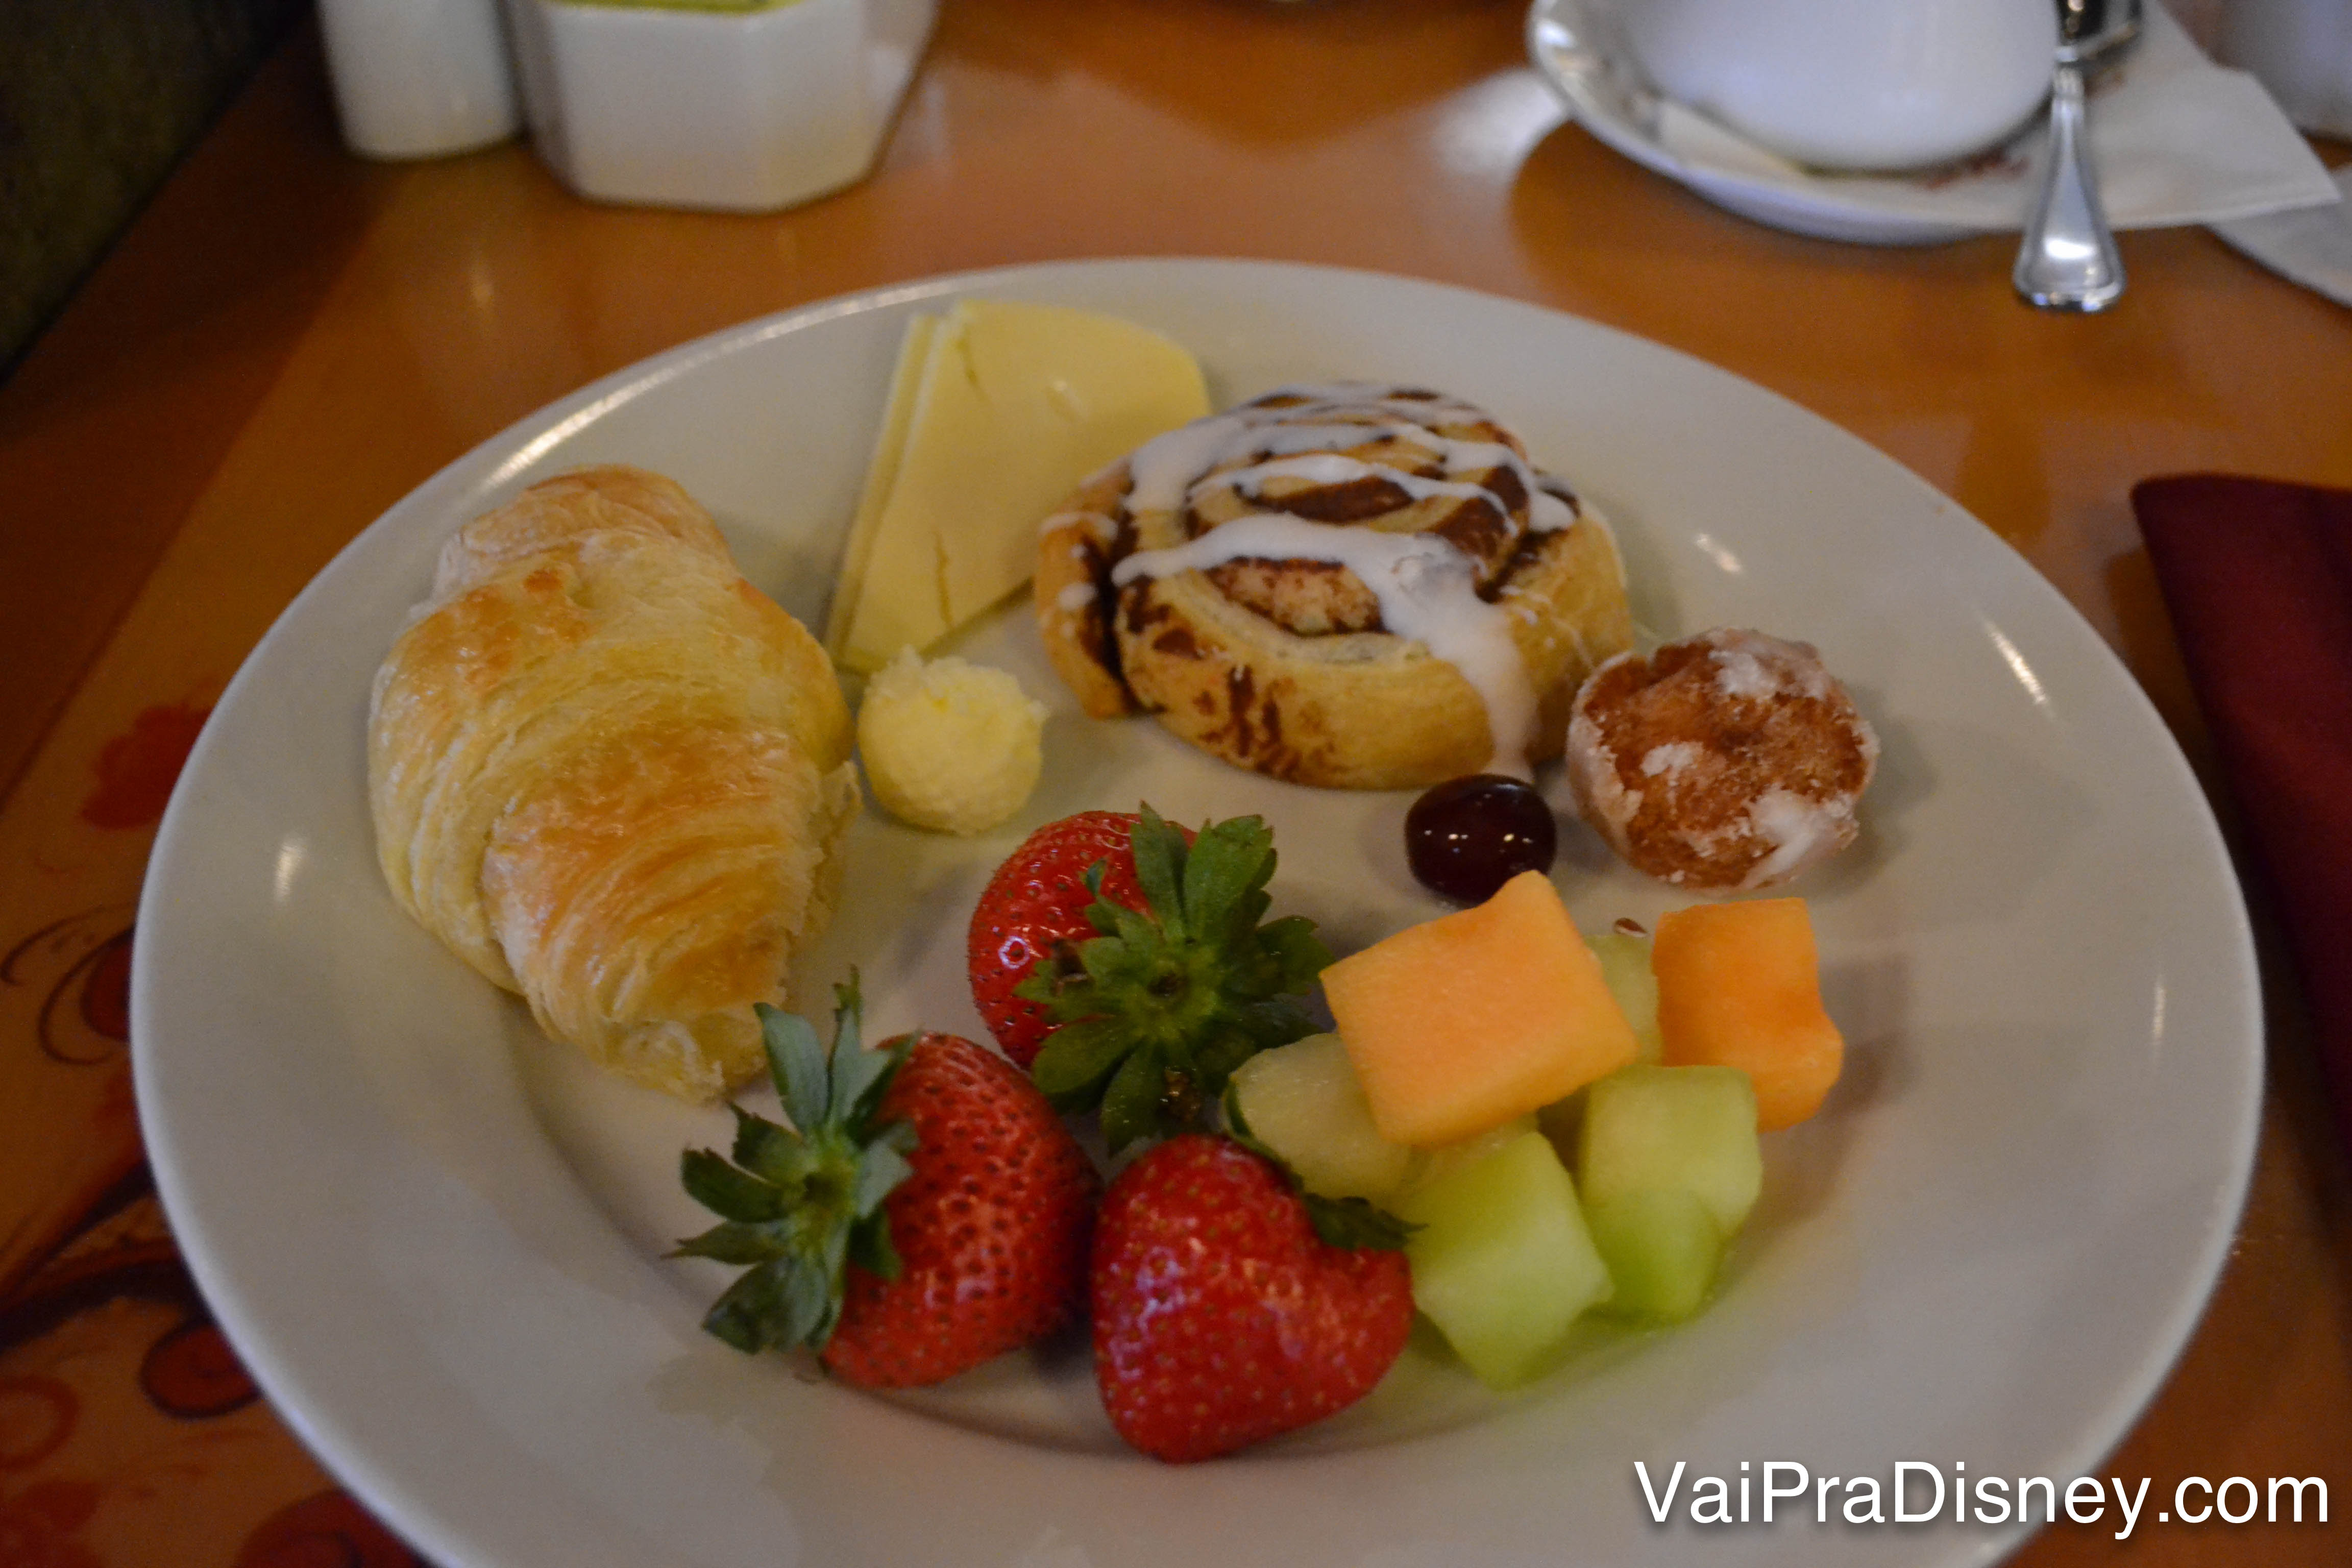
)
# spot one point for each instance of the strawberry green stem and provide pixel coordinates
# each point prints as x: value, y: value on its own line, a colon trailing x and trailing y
x: 800, y: 1203
x: 1167, y: 1000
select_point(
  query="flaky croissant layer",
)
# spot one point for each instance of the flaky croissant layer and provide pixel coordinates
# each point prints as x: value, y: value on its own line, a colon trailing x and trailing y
x: 613, y: 777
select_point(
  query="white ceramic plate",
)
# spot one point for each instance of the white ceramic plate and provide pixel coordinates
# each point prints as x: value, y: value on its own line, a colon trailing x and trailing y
x: 2176, y: 140
x: 435, y: 1239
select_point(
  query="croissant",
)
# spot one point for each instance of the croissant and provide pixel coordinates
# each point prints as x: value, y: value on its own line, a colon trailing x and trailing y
x: 1355, y: 587
x: 612, y: 775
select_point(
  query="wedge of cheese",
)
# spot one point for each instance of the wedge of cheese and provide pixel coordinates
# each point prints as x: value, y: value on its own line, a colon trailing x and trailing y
x: 997, y: 411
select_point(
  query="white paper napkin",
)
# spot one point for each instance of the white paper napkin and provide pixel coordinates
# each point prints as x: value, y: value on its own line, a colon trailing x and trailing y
x: 2312, y: 246
x: 2176, y: 140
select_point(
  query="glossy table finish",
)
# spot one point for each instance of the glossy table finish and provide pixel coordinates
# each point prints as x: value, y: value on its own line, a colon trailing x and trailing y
x: 289, y: 339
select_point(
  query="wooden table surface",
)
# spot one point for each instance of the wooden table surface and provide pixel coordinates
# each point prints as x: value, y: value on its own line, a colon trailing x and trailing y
x: 288, y: 340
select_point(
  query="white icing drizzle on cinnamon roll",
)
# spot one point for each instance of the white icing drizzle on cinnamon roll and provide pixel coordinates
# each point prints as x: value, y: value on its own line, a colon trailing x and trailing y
x: 1330, y: 469
x: 1164, y: 469
x: 1427, y: 591
x: 1427, y: 588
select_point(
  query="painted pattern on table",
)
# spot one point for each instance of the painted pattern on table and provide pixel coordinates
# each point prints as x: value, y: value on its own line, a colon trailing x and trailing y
x: 129, y: 1433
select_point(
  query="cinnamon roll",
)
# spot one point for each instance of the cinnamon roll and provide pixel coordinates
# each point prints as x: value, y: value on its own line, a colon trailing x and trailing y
x: 1357, y: 586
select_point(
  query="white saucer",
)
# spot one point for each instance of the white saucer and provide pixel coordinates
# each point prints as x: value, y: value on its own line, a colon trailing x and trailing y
x: 2176, y: 140
x: 2312, y: 246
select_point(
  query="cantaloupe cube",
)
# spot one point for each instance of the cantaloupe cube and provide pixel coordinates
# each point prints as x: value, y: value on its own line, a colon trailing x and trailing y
x: 1740, y: 985
x: 1462, y: 1023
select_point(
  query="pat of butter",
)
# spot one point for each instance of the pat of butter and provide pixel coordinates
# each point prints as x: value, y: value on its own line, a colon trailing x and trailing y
x: 997, y: 411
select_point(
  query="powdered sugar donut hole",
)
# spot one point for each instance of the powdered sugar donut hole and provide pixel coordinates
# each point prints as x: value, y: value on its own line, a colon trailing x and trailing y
x: 1731, y: 761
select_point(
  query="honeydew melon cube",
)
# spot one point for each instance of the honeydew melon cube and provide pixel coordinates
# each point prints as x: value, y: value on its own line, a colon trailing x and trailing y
x: 1302, y: 1100
x: 1683, y: 1129
x: 1503, y: 1263
x: 1625, y: 969
x: 1447, y: 1158
x: 1662, y: 1250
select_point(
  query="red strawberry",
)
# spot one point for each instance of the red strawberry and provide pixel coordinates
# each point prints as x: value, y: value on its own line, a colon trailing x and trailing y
x: 1035, y: 908
x: 990, y: 1230
x: 1220, y: 1317
x: 1121, y: 959
x: 933, y: 1214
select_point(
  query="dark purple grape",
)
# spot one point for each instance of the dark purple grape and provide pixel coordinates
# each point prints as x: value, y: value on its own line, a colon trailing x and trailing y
x: 1467, y: 836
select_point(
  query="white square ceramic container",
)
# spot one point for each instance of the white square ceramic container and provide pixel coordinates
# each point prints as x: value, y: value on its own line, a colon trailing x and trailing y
x: 741, y: 110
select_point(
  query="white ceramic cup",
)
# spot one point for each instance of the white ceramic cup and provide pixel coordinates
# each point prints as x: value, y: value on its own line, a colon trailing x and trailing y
x: 740, y: 110
x: 1851, y: 84
x: 2302, y: 51
x: 418, y: 79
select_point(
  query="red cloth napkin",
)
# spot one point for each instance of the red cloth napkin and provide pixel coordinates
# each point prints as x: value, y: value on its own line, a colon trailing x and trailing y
x: 2258, y: 575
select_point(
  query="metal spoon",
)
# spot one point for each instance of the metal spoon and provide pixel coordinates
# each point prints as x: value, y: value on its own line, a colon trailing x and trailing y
x: 2068, y: 260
